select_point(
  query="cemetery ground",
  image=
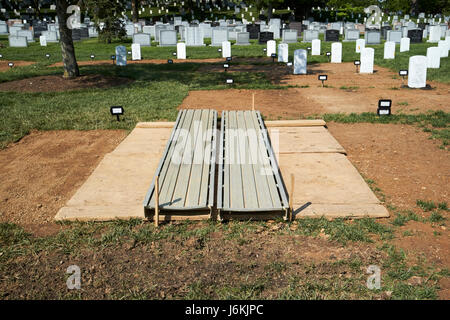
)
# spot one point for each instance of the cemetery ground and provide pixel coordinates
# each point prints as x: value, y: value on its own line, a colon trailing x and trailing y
x: 55, y: 133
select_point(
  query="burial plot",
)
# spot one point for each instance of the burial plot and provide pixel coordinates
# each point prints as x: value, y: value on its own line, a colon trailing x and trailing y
x: 242, y: 38
x: 332, y: 35
x: 404, y: 44
x: 336, y: 52
x: 415, y: 35
x: 366, y: 58
x: 360, y: 44
x: 417, y: 72
x: 144, y: 39
x: 300, y: 61
x: 121, y: 56
x: 18, y: 42
x: 372, y: 37
x: 168, y: 38
x: 389, y: 50
x: 433, y: 57
x: 181, y: 50
x: 283, y: 52
x: 394, y: 36
x: 265, y: 36
x: 289, y: 36
x: 136, y: 51
x: 253, y: 30
x: 310, y: 35
x: 351, y: 35
x: 226, y: 49
x: 315, y: 47
x: 219, y: 35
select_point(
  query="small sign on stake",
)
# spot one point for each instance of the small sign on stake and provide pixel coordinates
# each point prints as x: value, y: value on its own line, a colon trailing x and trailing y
x: 170, y: 61
x: 229, y: 59
x: 11, y: 64
x: 226, y: 66
x: 328, y: 55
x: 323, y: 77
x: 1, y: 56
x: 273, y: 55
x: 174, y: 54
x: 403, y: 74
x: 92, y: 56
x: 116, y: 111
x: 47, y: 55
x: 357, y: 63
x: 384, y: 107
x: 113, y: 58
x: 219, y: 50
x: 289, y: 64
x: 230, y: 81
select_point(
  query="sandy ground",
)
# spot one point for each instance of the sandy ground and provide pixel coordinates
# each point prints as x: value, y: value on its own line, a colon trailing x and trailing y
x: 43, y: 170
x: 347, y: 92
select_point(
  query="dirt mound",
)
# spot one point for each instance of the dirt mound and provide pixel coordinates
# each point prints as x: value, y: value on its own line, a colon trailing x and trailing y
x: 4, y: 64
x: 41, y: 172
x: 58, y: 83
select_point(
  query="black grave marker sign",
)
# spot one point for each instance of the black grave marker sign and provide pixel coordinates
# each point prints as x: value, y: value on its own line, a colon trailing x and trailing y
x: 384, y: 107
x: 265, y: 36
x: 332, y: 35
x: 415, y: 35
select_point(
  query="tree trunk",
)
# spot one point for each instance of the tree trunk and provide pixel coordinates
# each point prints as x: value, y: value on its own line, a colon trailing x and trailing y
x: 269, y: 11
x: 68, y: 51
x: 135, y: 9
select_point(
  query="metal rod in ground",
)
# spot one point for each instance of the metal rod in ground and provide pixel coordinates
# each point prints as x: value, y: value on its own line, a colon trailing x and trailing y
x: 156, y: 218
x: 291, y: 198
x: 253, y: 102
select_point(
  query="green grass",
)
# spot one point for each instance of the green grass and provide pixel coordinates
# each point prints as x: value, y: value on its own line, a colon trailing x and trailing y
x: 426, y: 205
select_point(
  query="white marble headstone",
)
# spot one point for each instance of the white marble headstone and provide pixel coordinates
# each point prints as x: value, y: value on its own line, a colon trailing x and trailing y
x: 271, y: 47
x: 366, y: 58
x: 417, y: 72
x: 315, y: 47
x: 226, y: 49
x: 404, y: 44
x: 181, y: 50
x: 360, y: 44
x: 433, y: 57
x: 389, y: 50
x: 336, y: 52
x: 136, y: 51
x: 43, y: 41
x: 300, y: 61
x: 443, y: 47
x: 283, y: 52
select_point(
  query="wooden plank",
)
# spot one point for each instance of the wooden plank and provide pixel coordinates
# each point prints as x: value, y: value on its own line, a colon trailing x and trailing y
x: 166, y: 162
x: 182, y: 181
x: 197, y: 179
x: 262, y: 187
x: 236, y: 192
x: 174, y: 164
x: 226, y: 162
x: 265, y: 162
x: 208, y: 160
x: 248, y: 178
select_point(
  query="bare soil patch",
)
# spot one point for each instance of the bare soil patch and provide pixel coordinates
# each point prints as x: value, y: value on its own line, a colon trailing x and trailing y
x: 58, y: 83
x: 4, y: 64
x: 347, y: 92
x: 42, y: 171
x: 406, y: 166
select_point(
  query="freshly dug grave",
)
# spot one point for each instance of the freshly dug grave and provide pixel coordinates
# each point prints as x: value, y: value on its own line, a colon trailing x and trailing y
x: 54, y: 83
